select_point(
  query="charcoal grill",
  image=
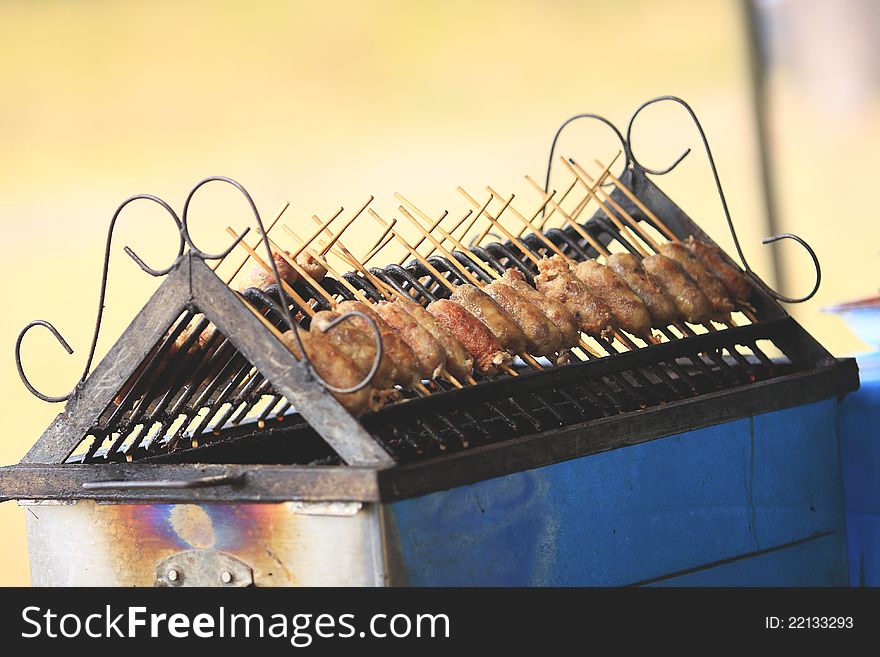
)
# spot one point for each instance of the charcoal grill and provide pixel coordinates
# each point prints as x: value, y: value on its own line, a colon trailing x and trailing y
x: 236, y: 468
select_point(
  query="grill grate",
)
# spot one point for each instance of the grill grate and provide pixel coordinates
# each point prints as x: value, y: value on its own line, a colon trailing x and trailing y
x: 177, y: 405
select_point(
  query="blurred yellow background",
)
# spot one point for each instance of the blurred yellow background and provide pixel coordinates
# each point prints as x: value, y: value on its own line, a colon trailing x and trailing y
x: 324, y: 103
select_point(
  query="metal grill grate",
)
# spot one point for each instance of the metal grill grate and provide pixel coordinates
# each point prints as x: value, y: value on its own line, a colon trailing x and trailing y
x: 177, y: 405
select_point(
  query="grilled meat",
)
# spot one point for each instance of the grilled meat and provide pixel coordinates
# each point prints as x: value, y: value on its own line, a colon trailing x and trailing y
x: 356, y: 340
x: 259, y: 278
x: 662, y: 309
x: 428, y: 351
x: 713, y: 259
x: 558, y: 282
x: 693, y: 306
x: 487, y: 352
x: 496, y: 319
x: 553, y: 310
x: 458, y: 361
x: 542, y: 337
x: 393, y: 346
x: 710, y: 284
x: 336, y: 368
x: 631, y: 314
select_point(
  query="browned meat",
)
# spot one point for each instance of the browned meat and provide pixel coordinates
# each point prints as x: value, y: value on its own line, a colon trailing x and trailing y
x: 496, y: 319
x: 629, y: 311
x: 260, y: 278
x: 710, y: 284
x: 542, y: 337
x: 357, y: 341
x: 474, y: 335
x: 558, y: 282
x: 553, y: 310
x: 692, y: 304
x: 312, y: 267
x: 711, y: 256
x: 429, y: 352
x: 336, y: 368
x: 662, y: 309
x: 458, y: 361
x: 393, y: 346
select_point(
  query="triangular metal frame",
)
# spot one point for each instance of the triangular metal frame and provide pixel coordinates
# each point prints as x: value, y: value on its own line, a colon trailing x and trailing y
x: 192, y: 285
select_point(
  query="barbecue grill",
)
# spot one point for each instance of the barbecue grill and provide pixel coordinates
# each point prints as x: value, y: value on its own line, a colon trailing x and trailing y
x: 236, y: 467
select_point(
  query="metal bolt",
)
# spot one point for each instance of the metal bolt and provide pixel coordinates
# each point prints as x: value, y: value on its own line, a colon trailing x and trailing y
x: 226, y: 577
x: 172, y: 575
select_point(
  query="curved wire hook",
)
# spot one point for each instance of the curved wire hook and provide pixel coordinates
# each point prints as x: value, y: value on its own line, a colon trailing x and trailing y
x: 625, y: 146
x: 376, y: 361
x: 101, y: 298
x: 271, y: 303
x: 21, y: 374
x: 775, y: 238
x: 185, y: 229
x: 288, y: 318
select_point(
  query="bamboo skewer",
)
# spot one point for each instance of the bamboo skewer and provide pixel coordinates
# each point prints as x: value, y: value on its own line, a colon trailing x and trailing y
x: 464, y: 272
x: 447, y: 236
x: 629, y: 233
x: 326, y: 265
x: 638, y: 229
x: 268, y: 269
x: 526, y: 224
x: 440, y: 278
x: 522, y: 247
x: 570, y: 221
x: 417, y: 386
x: 641, y: 206
x: 583, y: 204
x: 388, y: 292
x: 349, y: 257
x: 748, y: 312
x: 229, y: 279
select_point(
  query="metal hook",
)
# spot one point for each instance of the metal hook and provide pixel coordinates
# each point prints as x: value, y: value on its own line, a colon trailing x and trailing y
x: 263, y: 236
x: 775, y: 238
x: 101, y: 298
x: 185, y: 229
x: 588, y: 115
x: 376, y: 361
x: 269, y: 302
x: 21, y: 374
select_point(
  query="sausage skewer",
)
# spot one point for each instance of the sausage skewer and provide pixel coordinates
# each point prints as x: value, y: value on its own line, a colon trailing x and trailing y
x: 432, y: 347
x: 475, y: 302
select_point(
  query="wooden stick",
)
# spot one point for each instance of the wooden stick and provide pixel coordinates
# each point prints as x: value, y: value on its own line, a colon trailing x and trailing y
x: 382, y: 287
x: 348, y: 223
x: 582, y: 204
x: 641, y: 206
x: 314, y: 235
x: 321, y: 261
x: 284, y: 285
x: 304, y: 274
x: 385, y: 242
x: 463, y: 271
x: 577, y: 227
x: 247, y: 258
x: 627, y: 232
x: 434, y: 224
x: 415, y: 254
x: 380, y: 243
x: 526, y: 224
x: 477, y: 261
